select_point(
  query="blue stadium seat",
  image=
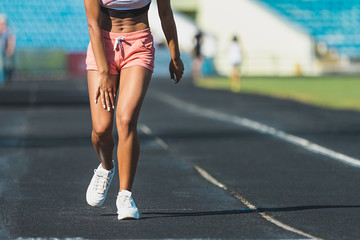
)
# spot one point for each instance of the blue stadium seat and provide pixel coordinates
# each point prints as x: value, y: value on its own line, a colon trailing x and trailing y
x: 48, y: 23
x: 62, y: 24
x: 335, y: 22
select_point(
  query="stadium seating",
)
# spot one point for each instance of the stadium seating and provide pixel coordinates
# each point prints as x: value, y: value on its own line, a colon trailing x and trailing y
x: 333, y: 22
x: 62, y: 24
x: 48, y: 23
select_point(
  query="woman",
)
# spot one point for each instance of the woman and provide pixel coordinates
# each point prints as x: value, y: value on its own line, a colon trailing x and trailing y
x: 198, y: 58
x: 120, y: 59
x: 7, y: 50
x: 235, y: 58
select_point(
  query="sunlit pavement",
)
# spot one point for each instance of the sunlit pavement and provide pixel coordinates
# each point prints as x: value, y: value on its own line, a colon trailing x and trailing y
x: 252, y: 185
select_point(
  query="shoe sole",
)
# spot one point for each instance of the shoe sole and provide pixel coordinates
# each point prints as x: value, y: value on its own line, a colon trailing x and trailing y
x: 95, y: 204
x: 128, y: 215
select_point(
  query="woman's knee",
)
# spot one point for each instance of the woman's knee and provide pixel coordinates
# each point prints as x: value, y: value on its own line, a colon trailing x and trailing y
x: 126, y: 124
x: 102, y: 131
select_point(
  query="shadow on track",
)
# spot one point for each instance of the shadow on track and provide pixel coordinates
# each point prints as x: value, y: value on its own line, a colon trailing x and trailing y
x: 165, y: 214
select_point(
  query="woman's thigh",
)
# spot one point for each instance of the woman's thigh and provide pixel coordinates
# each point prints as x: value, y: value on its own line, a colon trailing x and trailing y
x: 133, y: 84
x: 102, y: 119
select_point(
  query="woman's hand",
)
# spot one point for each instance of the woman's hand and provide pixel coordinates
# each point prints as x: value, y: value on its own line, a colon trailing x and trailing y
x: 176, y: 68
x: 106, y: 90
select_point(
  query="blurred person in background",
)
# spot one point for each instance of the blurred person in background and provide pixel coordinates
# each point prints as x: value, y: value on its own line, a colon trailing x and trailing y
x: 7, y: 49
x: 120, y: 58
x: 235, y: 58
x: 198, y: 60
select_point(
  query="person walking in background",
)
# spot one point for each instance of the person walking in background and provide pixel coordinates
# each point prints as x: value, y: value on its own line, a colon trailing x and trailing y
x: 120, y: 62
x: 7, y: 50
x: 198, y: 58
x: 235, y: 58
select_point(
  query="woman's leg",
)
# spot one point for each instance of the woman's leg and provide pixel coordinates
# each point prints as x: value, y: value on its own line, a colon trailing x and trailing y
x: 134, y: 82
x: 235, y: 79
x: 102, y: 123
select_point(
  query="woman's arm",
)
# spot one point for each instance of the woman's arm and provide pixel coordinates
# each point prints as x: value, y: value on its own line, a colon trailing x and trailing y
x: 176, y: 66
x: 106, y: 89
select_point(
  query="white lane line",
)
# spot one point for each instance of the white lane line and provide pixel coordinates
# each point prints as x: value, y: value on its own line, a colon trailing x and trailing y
x: 256, y: 126
x: 145, y: 129
x: 211, y: 179
x: 215, y: 182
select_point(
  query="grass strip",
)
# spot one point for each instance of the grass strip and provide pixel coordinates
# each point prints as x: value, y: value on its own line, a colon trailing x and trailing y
x: 337, y: 92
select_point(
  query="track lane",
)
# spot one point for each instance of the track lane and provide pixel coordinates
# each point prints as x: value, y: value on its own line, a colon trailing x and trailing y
x: 302, y: 189
x: 50, y: 162
x: 45, y: 147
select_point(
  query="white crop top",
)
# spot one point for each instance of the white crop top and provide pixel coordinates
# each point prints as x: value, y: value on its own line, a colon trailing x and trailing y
x: 124, y: 4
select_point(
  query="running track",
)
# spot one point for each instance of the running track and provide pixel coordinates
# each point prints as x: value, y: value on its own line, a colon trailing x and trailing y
x: 203, y: 172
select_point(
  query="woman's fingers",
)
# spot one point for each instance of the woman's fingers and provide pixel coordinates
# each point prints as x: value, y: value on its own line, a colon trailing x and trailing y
x: 178, y: 77
x: 102, y: 96
x: 176, y: 70
x: 171, y: 70
x: 107, y: 100
x: 171, y: 73
x: 97, y: 94
x: 112, y: 98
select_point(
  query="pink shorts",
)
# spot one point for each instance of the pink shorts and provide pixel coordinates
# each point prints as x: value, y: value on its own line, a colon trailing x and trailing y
x: 124, y: 50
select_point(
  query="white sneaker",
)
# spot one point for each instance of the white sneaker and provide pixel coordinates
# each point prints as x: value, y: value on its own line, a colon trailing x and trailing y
x: 99, y: 186
x: 126, y: 206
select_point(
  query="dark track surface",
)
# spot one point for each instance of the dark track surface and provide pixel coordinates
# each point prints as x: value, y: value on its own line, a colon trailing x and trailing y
x: 47, y: 161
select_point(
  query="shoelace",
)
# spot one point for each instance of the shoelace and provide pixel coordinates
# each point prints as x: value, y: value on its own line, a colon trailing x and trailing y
x: 118, y: 42
x: 101, y: 183
x: 125, y: 201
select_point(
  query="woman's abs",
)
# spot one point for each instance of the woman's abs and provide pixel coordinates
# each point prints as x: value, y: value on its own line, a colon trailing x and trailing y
x: 124, y: 25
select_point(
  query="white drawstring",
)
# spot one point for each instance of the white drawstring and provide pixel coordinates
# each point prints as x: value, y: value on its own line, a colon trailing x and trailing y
x: 118, y: 42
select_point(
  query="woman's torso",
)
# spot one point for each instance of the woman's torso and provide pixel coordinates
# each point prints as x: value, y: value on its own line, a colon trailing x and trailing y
x: 124, y: 15
x: 234, y: 53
